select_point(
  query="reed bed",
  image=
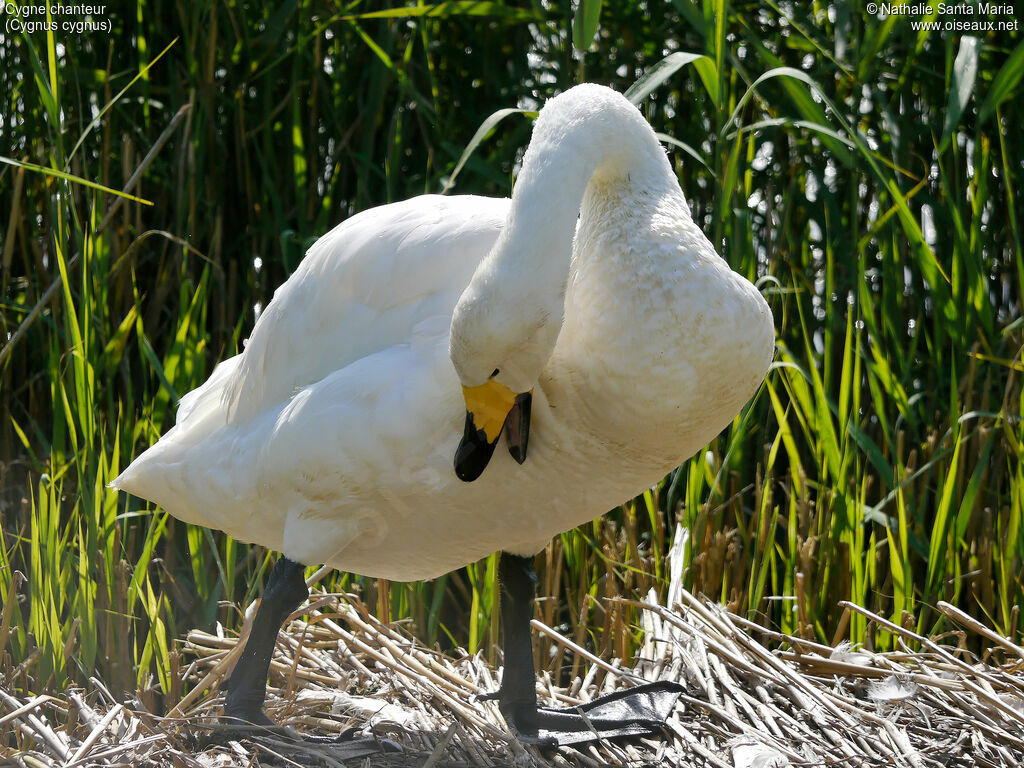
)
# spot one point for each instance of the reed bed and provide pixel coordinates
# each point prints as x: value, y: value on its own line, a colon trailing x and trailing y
x: 157, y: 182
x: 754, y: 698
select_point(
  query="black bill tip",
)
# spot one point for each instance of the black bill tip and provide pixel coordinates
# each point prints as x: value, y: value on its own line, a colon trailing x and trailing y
x: 517, y: 426
x: 473, y: 453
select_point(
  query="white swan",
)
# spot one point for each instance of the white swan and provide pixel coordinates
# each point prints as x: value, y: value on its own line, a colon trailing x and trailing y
x: 331, y: 437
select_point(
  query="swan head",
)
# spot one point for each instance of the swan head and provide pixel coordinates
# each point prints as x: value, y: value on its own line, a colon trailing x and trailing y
x: 507, y: 321
x: 500, y: 340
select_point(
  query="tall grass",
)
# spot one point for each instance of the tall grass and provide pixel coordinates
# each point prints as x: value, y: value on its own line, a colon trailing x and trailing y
x: 865, y: 174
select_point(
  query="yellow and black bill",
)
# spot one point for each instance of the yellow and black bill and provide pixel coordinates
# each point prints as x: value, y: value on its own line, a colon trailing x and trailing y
x: 490, y: 409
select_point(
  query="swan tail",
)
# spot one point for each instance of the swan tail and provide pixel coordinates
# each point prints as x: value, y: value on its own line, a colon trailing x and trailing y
x: 168, y: 473
x: 159, y: 475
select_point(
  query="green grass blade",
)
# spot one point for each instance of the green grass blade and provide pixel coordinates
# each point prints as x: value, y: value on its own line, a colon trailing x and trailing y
x: 965, y: 71
x: 585, y: 23
x: 664, y: 69
x: 72, y: 178
x: 482, y: 133
x: 1004, y: 85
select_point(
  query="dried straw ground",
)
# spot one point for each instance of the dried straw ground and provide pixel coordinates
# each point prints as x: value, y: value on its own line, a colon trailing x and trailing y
x: 746, y: 706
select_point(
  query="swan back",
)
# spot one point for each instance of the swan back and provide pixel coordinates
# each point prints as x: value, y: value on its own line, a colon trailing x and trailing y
x: 362, y: 288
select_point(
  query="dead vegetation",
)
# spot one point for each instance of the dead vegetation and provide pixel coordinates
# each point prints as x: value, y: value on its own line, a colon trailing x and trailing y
x: 930, y: 703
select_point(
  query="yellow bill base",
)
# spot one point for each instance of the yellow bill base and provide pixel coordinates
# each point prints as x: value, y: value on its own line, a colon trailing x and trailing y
x: 489, y: 405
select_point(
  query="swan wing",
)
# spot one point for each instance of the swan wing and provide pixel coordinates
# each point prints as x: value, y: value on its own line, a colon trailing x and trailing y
x: 362, y: 288
x: 206, y: 398
x: 365, y: 292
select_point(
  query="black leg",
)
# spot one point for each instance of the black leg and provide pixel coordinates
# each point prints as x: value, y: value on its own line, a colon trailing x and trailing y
x: 248, y: 685
x: 517, y: 697
x: 638, y: 711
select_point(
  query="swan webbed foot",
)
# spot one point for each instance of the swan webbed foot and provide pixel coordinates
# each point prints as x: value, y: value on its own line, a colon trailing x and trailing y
x: 349, y: 741
x: 234, y: 728
x: 235, y: 716
x: 639, y: 711
x: 251, y: 722
x: 630, y: 713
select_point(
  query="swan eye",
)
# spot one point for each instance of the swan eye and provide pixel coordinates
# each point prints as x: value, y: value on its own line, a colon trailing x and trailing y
x: 495, y: 373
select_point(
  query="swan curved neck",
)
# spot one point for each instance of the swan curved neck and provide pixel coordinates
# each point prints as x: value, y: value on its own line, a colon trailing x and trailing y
x: 589, y: 133
x: 509, y: 317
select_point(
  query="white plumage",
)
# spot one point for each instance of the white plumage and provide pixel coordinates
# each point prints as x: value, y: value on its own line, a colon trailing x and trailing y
x: 331, y: 437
